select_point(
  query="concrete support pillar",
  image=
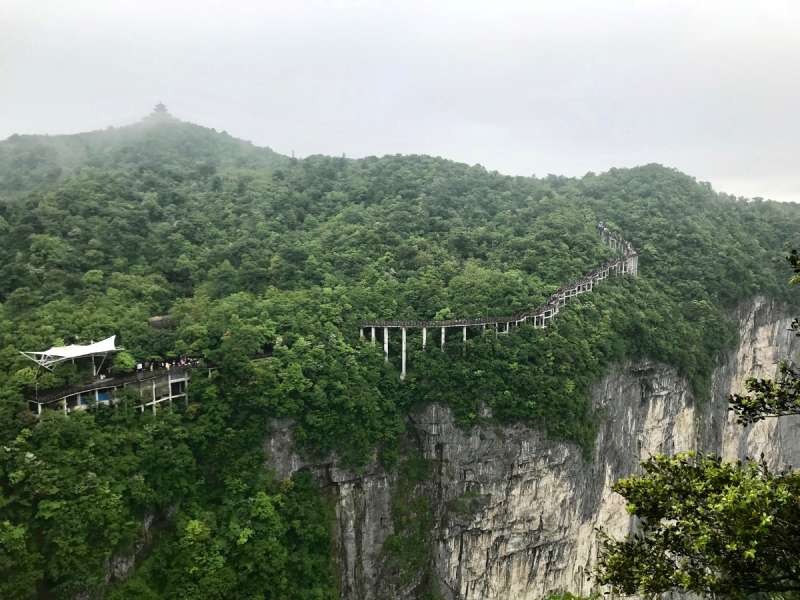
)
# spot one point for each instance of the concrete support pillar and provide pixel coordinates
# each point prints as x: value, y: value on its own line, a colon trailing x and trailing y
x: 465, y: 334
x: 38, y: 409
x: 442, y: 339
x: 373, y: 335
x: 403, y: 370
x: 424, y: 337
x: 483, y: 329
x: 386, y: 343
x: 361, y: 332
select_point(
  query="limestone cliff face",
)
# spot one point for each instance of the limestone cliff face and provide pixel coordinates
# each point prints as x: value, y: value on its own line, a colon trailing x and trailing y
x: 533, y: 504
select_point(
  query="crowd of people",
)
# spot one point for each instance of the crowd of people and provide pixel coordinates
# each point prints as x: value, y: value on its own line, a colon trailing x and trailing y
x: 182, y: 361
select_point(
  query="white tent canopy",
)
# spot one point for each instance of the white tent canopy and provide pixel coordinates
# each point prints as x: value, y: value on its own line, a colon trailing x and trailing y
x: 56, y: 354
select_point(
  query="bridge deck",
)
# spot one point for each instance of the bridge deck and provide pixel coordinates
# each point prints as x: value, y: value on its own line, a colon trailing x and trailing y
x: 627, y: 264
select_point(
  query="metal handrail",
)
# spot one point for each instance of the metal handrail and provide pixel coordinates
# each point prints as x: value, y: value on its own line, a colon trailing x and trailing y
x: 117, y: 381
x: 110, y: 382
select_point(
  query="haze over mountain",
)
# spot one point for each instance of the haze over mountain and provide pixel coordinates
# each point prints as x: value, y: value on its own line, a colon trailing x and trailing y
x: 521, y: 87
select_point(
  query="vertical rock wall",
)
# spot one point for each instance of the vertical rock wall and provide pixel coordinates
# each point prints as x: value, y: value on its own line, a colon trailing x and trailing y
x: 764, y: 341
x: 528, y: 507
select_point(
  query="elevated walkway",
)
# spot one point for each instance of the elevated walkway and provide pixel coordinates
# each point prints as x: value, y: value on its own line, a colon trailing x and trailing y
x: 627, y: 264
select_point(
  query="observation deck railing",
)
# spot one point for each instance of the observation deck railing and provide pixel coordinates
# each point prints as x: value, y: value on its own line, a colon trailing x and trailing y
x: 161, y: 382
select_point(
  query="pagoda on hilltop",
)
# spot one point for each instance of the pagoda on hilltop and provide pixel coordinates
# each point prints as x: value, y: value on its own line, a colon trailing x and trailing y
x: 160, y: 115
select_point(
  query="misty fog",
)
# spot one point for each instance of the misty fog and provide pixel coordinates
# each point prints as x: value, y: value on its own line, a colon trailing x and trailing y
x: 708, y: 87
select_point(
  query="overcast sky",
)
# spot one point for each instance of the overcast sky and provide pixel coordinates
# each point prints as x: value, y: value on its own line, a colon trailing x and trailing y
x: 524, y: 87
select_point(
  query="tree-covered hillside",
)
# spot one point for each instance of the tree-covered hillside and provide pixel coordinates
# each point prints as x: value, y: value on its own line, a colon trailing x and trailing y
x: 29, y: 162
x: 249, y: 251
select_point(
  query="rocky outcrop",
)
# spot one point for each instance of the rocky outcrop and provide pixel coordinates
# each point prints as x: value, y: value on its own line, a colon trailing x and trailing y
x: 764, y: 341
x: 528, y: 506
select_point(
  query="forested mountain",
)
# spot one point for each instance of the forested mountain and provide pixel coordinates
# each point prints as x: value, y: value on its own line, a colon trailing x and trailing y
x: 250, y: 251
x: 29, y: 162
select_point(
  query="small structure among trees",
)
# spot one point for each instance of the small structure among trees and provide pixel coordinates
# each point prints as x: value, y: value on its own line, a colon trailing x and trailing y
x: 56, y: 354
x: 154, y: 386
x: 160, y: 115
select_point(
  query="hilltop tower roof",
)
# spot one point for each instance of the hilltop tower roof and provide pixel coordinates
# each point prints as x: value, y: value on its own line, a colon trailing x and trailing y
x: 160, y: 115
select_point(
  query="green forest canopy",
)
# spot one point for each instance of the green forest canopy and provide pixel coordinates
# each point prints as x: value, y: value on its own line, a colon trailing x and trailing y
x: 249, y: 250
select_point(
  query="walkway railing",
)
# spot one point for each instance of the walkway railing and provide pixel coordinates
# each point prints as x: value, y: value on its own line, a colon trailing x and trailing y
x: 115, y: 381
x: 159, y: 380
x: 627, y: 264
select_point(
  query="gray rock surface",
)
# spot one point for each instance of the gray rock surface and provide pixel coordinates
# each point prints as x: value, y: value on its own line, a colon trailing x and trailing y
x: 534, y: 504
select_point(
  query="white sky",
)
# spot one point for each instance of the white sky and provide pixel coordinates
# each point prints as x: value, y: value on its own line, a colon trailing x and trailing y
x: 524, y: 87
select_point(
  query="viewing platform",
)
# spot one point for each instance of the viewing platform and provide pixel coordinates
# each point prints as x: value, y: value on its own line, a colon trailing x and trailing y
x: 154, y: 387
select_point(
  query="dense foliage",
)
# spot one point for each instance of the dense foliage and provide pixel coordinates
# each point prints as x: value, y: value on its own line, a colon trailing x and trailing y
x: 250, y: 252
x: 707, y: 527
